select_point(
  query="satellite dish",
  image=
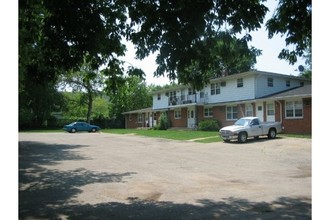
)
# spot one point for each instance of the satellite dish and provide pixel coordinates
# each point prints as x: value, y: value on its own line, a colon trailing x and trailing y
x: 301, y: 68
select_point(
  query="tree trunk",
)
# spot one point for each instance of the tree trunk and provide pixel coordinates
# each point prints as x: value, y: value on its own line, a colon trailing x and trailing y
x: 90, y: 104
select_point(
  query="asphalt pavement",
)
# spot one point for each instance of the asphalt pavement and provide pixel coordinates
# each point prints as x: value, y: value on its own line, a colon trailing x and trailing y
x: 108, y: 176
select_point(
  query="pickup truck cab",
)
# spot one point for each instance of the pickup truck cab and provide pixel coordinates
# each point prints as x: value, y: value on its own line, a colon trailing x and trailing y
x: 250, y: 127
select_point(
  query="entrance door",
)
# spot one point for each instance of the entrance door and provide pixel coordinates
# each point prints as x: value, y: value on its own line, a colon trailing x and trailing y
x: 260, y: 111
x: 191, y: 117
x: 270, y: 111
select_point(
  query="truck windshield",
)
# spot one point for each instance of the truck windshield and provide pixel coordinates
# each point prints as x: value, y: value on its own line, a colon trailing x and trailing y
x: 242, y: 122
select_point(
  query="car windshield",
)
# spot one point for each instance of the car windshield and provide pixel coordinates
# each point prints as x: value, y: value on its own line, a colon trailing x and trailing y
x: 73, y: 123
x: 242, y: 122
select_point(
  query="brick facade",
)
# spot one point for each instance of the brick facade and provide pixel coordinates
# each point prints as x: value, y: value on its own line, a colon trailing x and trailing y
x: 301, y: 125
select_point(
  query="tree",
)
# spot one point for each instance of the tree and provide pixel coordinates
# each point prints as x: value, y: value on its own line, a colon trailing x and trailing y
x: 56, y: 36
x: 86, y: 80
x: 215, y: 57
x: 195, y: 39
x: 132, y: 95
x: 75, y: 108
x: 293, y: 19
x: 307, y: 72
x: 184, y: 32
x: 37, y: 101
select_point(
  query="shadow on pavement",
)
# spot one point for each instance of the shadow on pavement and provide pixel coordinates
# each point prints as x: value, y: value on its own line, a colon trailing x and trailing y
x: 48, y: 194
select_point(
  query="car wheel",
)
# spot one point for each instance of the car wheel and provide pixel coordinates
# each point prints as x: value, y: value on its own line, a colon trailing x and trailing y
x: 272, y: 133
x: 242, y: 137
x: 73, y: 130
x: 93, y: 130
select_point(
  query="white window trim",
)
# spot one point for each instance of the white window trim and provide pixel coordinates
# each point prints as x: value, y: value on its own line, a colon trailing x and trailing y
x: 246, y: 109
x: 208, y: 112
x: 175, y: 114
x: 232, y: 113
x: 294, y: 109
x: 272, y: 109
x: 216, y: 87
x: 270, y: 82
x: 240, y: 84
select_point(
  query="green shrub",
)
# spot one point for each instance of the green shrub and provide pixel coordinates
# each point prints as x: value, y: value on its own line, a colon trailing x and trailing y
x: 209, y: 125
x: 163, y: 123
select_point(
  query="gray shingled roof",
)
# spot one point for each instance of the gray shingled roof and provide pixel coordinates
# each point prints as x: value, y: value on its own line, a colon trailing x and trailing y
x: 138, y: 111
x: 303, y: 91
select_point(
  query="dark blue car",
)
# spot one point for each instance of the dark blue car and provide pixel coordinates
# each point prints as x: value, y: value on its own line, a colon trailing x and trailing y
x: 81, y: 126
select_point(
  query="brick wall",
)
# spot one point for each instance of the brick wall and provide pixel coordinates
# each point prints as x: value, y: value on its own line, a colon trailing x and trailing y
x: 299, y: 126
x: 179, y: 122
x: 132, y: 121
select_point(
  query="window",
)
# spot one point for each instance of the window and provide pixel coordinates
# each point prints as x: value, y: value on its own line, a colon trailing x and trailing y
x: 183, y: 96
x: 248, y: 110
x: 177, y: 113
x: 140, y: 118
x: 201, y: 94
x: 288, y: 83
x: 231, y: 112
x: 255, y: 122
x: 190, y: 91
x: 173, y: 98
x: 215, y: 88
x: 270, y: 109
x: 270, y: 82
x: 208, y: 111
x: 172, y: 95
x: 158, y: 96
x: 294, y: 109
x: 240, y: 82
x: 223, y: 83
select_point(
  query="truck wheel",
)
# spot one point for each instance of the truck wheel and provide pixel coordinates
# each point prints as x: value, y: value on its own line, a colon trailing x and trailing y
x: 272, y: 133
x: 242, y: 137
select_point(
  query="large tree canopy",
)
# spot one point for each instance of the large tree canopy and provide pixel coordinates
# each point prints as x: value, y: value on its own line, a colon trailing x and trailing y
x: 56, y: 36
x: 292, y: 19
x: 195, y: 39
x: 195, y: 35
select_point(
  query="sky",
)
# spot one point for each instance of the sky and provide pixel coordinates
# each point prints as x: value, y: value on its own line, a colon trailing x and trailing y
x: 268, y: 61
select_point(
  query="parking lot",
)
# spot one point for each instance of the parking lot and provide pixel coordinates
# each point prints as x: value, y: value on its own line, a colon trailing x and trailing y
x: 108, y: 176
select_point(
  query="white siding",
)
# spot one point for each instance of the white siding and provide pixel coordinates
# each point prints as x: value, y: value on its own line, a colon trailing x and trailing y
x: 254, y: 86
x: 230, y: 92
x: 162, y: 103
x: 279, y: 84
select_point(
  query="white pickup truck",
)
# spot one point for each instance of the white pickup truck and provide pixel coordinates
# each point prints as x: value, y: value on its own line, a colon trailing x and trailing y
x: 249, y: 127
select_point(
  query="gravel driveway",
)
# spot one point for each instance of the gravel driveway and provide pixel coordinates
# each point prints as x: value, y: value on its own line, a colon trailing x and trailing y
x: 108, y: 176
